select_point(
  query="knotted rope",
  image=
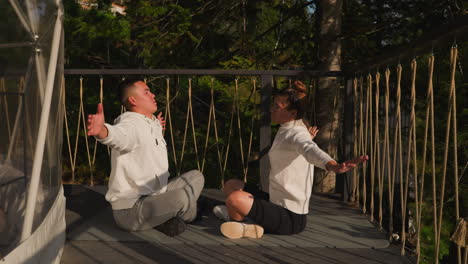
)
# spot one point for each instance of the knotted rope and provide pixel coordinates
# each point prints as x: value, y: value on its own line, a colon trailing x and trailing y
x: 429, y: 115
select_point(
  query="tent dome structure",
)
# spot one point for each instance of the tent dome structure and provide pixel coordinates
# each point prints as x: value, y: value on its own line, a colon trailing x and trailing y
x: 32, y: 204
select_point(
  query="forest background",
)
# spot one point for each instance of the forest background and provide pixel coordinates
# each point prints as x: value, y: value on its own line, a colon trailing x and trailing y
x: 259, y: 35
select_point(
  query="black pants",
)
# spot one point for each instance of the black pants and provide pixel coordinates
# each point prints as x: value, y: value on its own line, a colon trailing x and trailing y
x: 273, y: 218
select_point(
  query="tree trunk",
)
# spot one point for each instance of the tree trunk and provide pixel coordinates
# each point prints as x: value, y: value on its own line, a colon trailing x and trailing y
x: 327, y: 104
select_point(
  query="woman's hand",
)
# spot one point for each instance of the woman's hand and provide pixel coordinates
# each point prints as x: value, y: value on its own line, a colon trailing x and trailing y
x: 162, y: 121
x: 338, y: 168
x: 313, y: 130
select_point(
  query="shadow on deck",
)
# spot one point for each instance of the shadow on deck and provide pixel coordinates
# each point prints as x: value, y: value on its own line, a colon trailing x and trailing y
x: 335, y: 233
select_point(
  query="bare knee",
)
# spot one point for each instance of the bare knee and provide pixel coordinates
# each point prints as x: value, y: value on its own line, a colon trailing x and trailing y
x: 235, y: 199
x: 239, y: 204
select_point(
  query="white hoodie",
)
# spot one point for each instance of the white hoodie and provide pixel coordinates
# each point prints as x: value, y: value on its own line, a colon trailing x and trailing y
x: 139, y: 159
x: 292, y: 159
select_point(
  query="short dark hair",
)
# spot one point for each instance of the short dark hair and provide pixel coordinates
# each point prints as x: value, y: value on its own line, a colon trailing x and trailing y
x: 123, y: 88
x: 294, y: 103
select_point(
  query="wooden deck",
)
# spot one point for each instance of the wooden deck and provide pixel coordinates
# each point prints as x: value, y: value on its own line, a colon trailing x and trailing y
x: 335, y: 233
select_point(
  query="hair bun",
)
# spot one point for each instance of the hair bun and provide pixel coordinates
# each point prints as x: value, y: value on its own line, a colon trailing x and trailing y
x: 300, y: 87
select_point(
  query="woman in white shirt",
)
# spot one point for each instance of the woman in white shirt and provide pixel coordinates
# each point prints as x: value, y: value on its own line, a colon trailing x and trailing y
x: 293, y: 156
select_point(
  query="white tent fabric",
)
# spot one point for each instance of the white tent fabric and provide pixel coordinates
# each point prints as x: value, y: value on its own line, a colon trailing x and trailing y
x: 12, y: 197
x: 11, y: 201
x: 32, y: 205
x: 45, y: 245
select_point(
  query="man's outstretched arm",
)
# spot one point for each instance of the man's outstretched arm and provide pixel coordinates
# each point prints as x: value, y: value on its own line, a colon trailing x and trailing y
x: 96, y: 125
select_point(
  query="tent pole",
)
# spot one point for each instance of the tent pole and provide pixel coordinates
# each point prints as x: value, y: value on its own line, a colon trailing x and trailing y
x: 21, y: 17
x: 41, y: 137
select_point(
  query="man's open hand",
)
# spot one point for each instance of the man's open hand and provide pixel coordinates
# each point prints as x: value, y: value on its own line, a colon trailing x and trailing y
x: 96, y: 123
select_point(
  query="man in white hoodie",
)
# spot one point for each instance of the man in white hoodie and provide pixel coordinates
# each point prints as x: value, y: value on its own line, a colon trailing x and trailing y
x: 139, y: 191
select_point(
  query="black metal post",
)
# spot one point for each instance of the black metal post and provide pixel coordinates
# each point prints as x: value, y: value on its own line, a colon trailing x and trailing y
x: 265, y: 130
x: 348, y: 122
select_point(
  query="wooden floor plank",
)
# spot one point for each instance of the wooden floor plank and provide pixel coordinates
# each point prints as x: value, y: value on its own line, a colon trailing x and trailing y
x: 334, y: 234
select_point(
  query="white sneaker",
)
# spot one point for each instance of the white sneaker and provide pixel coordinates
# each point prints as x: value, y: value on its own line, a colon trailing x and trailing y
x: 221, y: 212
x: 236, y: 230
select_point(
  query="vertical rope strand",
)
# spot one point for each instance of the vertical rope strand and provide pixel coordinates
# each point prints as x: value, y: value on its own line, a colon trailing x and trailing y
x: 77, y: 131
x: 442, y: 188
x: 254, y: 115
x: 67, y: 131
x: 210, y: 114
x: 241, y: 145
x: 409, y: 152
x: 226, y: 153
x: 398, y: 142
x: 193, y: 124
x: 386, y: 158
x: 429, y: 103
x: 218, y: 151
x: 434, y: 186
x: 415, y: 164
x: 187, y: 117
x: 377, y: 145
x: 168, y: 112
x: 85, y: 133
x: 453, y: 60
x: 370, y: 142
x: 454, y: 53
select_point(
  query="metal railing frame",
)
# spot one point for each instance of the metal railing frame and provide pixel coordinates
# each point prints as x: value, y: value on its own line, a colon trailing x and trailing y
x: 267, y: 82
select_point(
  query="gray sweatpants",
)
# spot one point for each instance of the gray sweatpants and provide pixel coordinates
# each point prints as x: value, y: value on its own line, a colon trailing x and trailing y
x: 180, y: 200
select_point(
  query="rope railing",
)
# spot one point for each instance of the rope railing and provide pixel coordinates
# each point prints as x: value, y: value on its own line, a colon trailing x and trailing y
x: 212, y: 118
x: 223, y: 141
x: 386, y: 127
x: 228, y: 140
x: 401, y: 171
